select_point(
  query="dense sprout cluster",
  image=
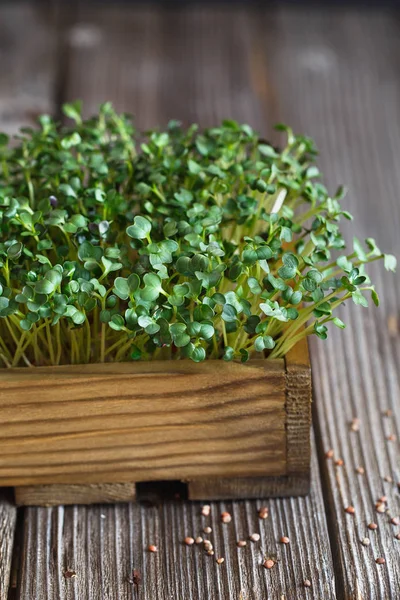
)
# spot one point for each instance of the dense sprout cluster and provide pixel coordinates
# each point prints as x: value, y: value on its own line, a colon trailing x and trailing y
x: 189, y: 244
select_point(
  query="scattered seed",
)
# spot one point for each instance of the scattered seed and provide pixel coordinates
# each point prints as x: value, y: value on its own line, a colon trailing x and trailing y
x: 355, y: 424
x: 307, y: 583
x: 69, y: 574
x: 103, y: 517
x: 206, y: 509
x: 263, y: 512
x: 207, y: 545
x: 360, y: 470
x: 388, y: 413
x: 397, y: 536
x: 284, y: 540
x: 329, y: 454
x: 226, y: 517
x: 395, y: 521
x: 268, y: 564
x: 199, y: 540
x: 152, y: 548
x: 380, y: 561
x: 372, y: 526
x: 382, y: 499
x: 189, y: 541
x: 350, y: 510
x: 241, y: 543
x: 365, y: 541
x: 136, y: 578
x: 207, y: 530
x: 220, y: 560
x: 391, y: 437
x: 339, y: 462
x: 210, y: 552
x: 380, y: 507
x: 254, y: 537
x: 388, y: 479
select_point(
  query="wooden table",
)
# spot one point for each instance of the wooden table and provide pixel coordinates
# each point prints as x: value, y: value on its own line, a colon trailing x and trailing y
x: 335, y: 76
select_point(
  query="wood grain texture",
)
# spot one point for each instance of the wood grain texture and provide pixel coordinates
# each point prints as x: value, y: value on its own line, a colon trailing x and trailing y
x: 342, y: 69
x: 54, y: 495
x: 104, y: 544
x: 8, y: 517
x: 298, y: 444
x: 28, y: 70
x: 142, y: 422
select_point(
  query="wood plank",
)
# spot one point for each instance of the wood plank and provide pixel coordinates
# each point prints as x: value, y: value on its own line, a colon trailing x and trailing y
x: 342, y: 69
x: 104, y: 544
x: 142, y: 422
x: 27, y: 75
x: 8, y: 518
x: 54, y: 495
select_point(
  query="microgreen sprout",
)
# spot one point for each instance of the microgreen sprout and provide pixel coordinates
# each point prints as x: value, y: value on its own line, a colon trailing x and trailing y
x: 188, y: 244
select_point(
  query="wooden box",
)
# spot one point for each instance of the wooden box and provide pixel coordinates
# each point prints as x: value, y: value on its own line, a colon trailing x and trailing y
x: 83, y: 434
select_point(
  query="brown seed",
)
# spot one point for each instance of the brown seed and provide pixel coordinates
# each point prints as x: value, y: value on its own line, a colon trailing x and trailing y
x: 207, y: 530
x: 372, y: 526
x: 380, y: 507
x: 254, y: 537
x: 189, y: 541
x: 241, y: 543
x: 152, y: 548
x: 395, y: 521
x: 339, y: 462
x: 284, y: 540
x: 199, y: 540
x: 307, y: 583
x: 210, y: 552
x: 397, y: 536
x: 69, y: 574
x: 388, y: 413
x: 380, y: 561
x: 360, y: 470
x: 391, y: 437
x: 263, y: 512
x: 268, y: 564
x: 355, y: 424
x: 208, y: 545
x: 382, y: 499
x: 206, y: 509
x: 365, y: 541
x: 350, y: 510
x: 388, y: 479
x: 329, y: 453
x: 220, y: 560
x: 226, y: 517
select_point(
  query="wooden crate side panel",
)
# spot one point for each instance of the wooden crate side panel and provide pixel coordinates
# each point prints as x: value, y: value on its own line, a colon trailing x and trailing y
x: 55, y: 495
x: 142, y: 422
x: 298, y: 409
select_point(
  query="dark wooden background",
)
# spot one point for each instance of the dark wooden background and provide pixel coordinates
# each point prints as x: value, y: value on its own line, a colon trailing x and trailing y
x: 335, y: 75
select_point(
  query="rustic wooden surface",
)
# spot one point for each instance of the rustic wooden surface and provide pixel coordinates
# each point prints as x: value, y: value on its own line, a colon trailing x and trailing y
x: 54, y: 495
x: 144, y: 421
x: 333, y: 75
x: 8, y: 516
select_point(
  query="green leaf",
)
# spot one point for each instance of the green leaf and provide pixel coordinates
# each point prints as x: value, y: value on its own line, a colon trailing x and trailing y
x: 121, y: 288
x: 338, y: 322
x: 390, y: 262
x: 140, y: 229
